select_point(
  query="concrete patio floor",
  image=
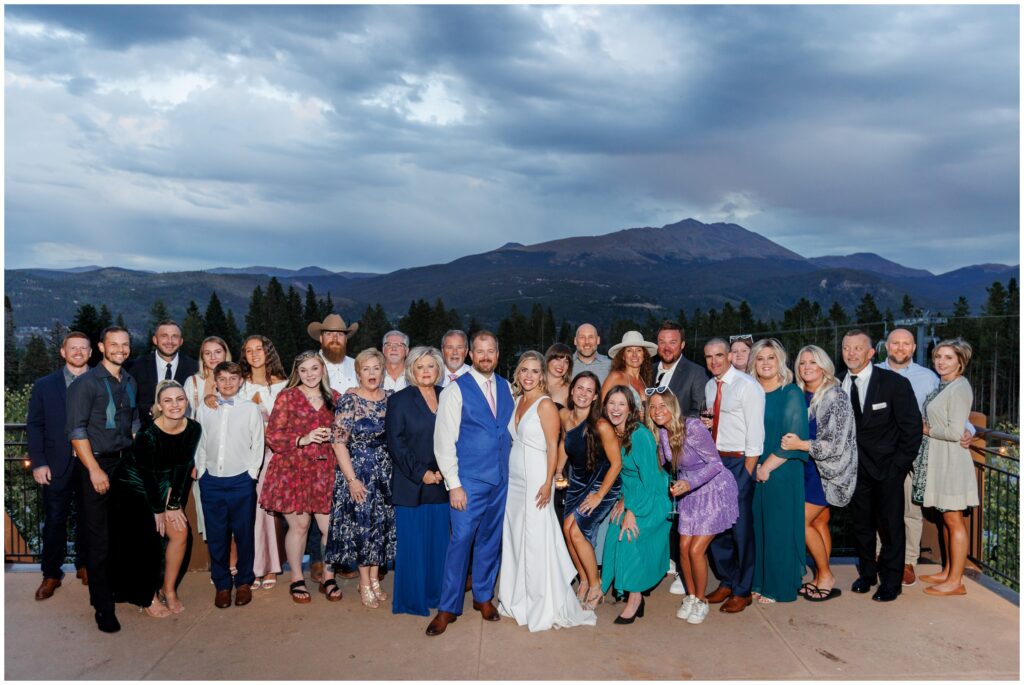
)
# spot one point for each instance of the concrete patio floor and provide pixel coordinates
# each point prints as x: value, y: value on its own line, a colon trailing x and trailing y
x: 917, y: 637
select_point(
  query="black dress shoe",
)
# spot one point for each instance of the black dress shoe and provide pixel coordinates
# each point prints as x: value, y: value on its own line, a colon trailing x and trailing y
x: 107, y: 621
x: 863, y: 584
x: 886, y: 594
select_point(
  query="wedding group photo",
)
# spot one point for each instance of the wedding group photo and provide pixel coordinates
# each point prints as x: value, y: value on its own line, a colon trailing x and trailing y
x: 512, y: 342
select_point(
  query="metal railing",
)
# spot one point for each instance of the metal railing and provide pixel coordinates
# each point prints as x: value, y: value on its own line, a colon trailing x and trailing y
x: 23, y: 503
x: 994, y: 526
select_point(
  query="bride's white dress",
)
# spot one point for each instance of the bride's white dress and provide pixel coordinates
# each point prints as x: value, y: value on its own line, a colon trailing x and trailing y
x: 535, y: 585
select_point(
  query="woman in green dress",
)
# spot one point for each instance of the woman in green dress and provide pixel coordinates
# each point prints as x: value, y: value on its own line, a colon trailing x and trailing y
x: 636, y: 549
x: 778, y: 509
x: 149, y: 491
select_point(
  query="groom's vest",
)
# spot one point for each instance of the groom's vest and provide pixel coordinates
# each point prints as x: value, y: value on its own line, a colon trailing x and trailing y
x: 484, y: 441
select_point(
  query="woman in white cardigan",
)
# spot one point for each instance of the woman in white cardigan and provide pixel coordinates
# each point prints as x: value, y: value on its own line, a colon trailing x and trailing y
x: 944, y: 475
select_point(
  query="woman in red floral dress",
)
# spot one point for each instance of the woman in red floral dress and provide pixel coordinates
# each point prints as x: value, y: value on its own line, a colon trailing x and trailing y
x: 300, y: 476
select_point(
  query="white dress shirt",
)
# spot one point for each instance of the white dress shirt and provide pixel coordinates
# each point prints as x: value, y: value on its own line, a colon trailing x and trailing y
x: 232, y: 440
x: 741, y: 415
x: 923, y: 381
x: 863, y: 378
x: 667, y: 377
x: 449, y: 419
x: 341, y: 376
x: 161, y: 366
x: 447, y: 379
x: 394, y: 384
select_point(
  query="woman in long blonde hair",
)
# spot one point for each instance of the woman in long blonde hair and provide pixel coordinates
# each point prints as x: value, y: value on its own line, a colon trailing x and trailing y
x: 708, y: 500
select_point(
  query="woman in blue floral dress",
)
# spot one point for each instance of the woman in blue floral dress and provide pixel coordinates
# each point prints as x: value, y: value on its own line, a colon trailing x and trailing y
x: 362, y: 530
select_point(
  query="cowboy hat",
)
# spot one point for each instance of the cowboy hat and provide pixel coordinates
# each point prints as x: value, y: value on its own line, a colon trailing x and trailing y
x: 633, y: 339
x: 332, y: 322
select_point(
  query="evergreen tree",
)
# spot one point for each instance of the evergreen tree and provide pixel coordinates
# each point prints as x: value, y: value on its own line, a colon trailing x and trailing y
x: 473, y: 327
x: 119, y: 321
x: 416, y: 323
x: 53, y: 343
x: 192, y: 330
x: 215, y: 322
x: 296, y: 323
x: 254, y: 320
x: 87, y: 320
x: 746, y: 317
x: 442, y: 320
x: 907, y: 308
x: 311, y: 309
x: 373, y: 324
x: 157, y: 313
x: 232, y: 336
x: 12, y: 355
x: 565, y: 333
x: 866, y: 313
x: 326, y: 307
x: 105, y: 318
x: 995, y: 305
x: 837, y: 315
x: 36, y: 361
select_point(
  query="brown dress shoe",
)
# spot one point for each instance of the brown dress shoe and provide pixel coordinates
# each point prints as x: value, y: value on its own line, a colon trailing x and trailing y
x: 223, y: 599
x: 83, y: 576
x: 440, y: 622
x: 243, y: 595
x: 316, y: 571
x: 736, y: 604
x: 47, y: 588
x: 486, y: 610
x: 908, y: 575
x: 720, y: 595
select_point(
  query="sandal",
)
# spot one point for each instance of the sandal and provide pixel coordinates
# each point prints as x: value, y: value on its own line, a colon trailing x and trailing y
x: 593, y: 600
x: 161, y: 612
x: 807, y: 587
x: 269, y: 583
x: 300, y: 595
x: 330, y: 590
x: 761, y: 599
x: 378, y: 591
x: 367, y: 597
x: 256, y: 584
x: 817, y: 594
x: 583, y: 591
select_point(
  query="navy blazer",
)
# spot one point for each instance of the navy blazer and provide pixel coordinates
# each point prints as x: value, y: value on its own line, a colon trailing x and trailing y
x: 889, y: 430
x: 48, y: 443
x: 409, y: 425
x: 143, y: 370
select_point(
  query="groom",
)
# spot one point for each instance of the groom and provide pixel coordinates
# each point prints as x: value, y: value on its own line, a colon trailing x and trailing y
x: 472, y: 443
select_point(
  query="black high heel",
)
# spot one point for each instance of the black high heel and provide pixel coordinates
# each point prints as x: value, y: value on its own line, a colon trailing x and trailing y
x: 639, y: 614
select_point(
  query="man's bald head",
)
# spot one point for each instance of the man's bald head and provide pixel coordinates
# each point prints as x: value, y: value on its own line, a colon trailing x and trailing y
x: 586, y: 341
x: 900, y: 347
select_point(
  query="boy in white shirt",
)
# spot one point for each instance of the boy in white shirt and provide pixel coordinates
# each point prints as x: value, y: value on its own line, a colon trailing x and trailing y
x: 228, y: 462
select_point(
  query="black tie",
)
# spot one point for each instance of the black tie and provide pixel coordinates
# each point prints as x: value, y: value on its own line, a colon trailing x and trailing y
x: 657, y: 381
x: 855, y: 398
x: 167, y: 374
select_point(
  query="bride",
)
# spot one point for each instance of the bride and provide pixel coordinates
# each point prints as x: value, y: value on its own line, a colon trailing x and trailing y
x: 535, y: 586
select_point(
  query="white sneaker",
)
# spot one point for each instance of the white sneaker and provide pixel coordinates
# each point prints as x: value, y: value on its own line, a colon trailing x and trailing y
x: 672, y: 568
x: 686, y: 607
x: 699, y: 612
x: 677, y: 587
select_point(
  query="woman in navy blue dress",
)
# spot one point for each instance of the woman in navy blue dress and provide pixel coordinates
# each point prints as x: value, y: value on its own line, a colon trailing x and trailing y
x: 417, y: 488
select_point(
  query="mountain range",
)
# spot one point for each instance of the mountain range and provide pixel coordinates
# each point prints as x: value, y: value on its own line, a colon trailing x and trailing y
x: 600, y: 278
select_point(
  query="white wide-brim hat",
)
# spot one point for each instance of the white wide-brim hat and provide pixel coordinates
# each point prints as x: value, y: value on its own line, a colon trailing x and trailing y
x: 633, y: 339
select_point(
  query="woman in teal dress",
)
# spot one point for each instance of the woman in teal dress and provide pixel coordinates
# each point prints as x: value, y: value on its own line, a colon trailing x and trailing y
x: 778, y: 509
x: 636, y: 548
x: 149, y: 490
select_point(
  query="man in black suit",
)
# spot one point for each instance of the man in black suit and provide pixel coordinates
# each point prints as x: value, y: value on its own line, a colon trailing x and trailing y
x: 888, y: 438
x: 685, y: 379
x: 53, y: 463
x: 167, y: 362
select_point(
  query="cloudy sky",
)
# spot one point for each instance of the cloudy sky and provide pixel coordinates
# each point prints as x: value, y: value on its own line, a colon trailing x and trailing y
x: 376, y: 138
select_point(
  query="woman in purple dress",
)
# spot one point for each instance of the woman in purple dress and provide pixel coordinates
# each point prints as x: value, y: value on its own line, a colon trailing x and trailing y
x: 706, y: 491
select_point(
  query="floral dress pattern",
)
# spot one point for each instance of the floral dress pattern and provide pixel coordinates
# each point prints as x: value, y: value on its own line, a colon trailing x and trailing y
x: 362, y: 534
x: 921, y: 462
x: 298, y: 479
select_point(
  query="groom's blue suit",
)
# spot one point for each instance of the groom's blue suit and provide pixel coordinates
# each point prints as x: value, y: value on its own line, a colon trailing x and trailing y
x: 482, y: 448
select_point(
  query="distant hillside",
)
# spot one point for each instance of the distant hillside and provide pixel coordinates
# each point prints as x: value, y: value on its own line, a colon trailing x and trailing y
x: 600, y: 278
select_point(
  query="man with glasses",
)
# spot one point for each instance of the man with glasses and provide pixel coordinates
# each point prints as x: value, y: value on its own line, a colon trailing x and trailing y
x: 395, y: 346
x: 739, y: 351
x: 685, y: 379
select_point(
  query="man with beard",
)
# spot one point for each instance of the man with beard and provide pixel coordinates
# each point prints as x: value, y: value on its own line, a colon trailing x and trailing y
x: 900, y: 347
x: 53, y: 463
x: 332, y: 334
x: 685, y: 379
x: 166, y: 362
x: 101, y: 417
x: 454, y: 346
x: 472, y: 444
